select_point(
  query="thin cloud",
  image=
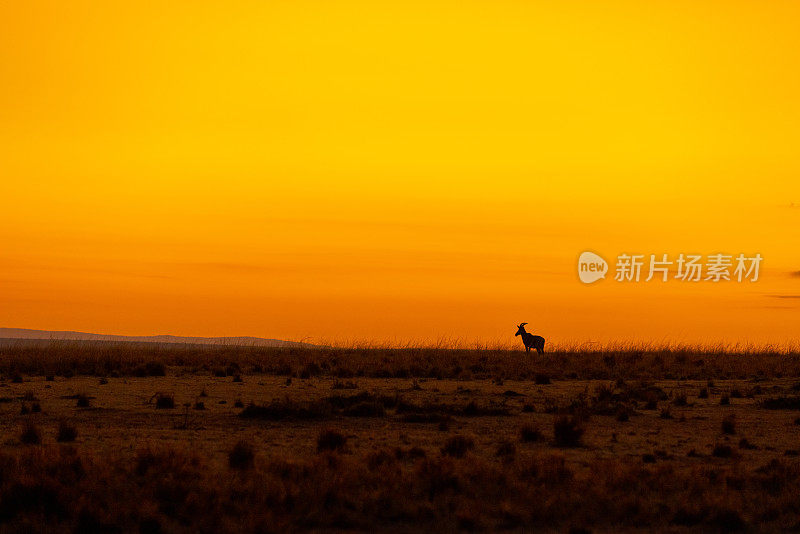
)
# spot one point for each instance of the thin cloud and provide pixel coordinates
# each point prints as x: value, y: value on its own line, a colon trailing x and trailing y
x: 795, y: 274
x: 785, y: 296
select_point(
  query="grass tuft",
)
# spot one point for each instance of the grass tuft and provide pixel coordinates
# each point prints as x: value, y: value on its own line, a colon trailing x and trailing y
x: 66, y: 432
x: 30, y: 434
x: 457, y: 446
x: 729, y: 425
x: 241, y: 456
x: 165, y: 401
x: 567, y: 431
x: 331, y: 440
x: 530, y: 434
x: 83, y: 401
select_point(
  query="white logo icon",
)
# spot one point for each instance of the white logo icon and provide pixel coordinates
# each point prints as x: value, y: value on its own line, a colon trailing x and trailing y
x: 591, y: 267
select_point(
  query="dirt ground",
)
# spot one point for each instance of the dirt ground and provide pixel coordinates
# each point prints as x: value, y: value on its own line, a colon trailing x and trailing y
x: 123, y: 416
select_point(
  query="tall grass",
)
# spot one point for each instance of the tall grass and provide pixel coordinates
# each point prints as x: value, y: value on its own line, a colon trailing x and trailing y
x: 177, y: 490
x: 646, y: 361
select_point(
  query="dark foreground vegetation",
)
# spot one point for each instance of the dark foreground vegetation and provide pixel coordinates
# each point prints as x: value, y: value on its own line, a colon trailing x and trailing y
x: 175, y: 490
x: 111, y: 437
x: 71, y: 358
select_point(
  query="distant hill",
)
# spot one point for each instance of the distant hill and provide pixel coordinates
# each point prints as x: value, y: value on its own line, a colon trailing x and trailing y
x: 56, y: 335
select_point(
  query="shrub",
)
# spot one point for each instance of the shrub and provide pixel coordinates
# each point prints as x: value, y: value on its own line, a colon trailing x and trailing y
x: 505, y: 449
x: 744, y: 443
x: 199, y: 405
x: 83, y: 401
x: 286, y: 409
x: 365, y: 409
x: 529, y: 434
x: 381, y: 457
x: 309, y: 370
x: 66, y: 432
x: 414, y: 453
x: 241, y: 456
x: 150, y: 369
x: 725, y: 400
x: 567, y: 431
x: 541, y: 379
x: 457, y: 446
x: 164, y: 401
x: 722, y: 451
x: 331, y: 440
x: 348, y: 384
x: 473, y: 409
x: 728, y: 520
x: 729, y: 425
x: 703, y: 393
x: 431, y: 418
x: 30, y: 434
x: 781, y: 403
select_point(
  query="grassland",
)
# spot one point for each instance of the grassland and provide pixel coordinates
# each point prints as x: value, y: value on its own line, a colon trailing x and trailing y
x: 153, y: 438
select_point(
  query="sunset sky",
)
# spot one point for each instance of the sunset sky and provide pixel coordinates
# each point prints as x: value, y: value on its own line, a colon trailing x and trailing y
x: 397, y: 171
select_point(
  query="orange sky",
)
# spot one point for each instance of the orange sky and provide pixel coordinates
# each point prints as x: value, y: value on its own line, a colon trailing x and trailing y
x: 396, y: 170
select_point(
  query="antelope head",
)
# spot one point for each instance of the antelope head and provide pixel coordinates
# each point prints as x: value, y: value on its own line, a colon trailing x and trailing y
x: 520, y: 329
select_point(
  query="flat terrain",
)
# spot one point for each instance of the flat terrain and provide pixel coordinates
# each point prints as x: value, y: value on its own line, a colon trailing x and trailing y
x: 265, y: 440
x: 123, y: 415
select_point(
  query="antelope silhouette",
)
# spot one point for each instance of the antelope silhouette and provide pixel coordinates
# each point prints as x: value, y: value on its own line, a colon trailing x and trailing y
x: 529, y: 340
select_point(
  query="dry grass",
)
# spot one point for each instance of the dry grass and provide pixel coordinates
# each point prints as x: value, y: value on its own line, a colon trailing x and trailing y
x: 177, y: 490
x: 567, y: 431
x: 331, y: 440
x: 66, y: 432
x: 30, y: 434
x: 457, y: 446
x: 241, y: 456
x: 401, y: 440
x: 611, y: 362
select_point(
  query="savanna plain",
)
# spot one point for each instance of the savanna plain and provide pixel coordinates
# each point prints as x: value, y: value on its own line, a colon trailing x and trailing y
x: 137, y: 437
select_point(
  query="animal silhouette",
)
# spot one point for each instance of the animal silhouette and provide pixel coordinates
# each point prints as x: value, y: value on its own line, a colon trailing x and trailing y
x: 529, y: 340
